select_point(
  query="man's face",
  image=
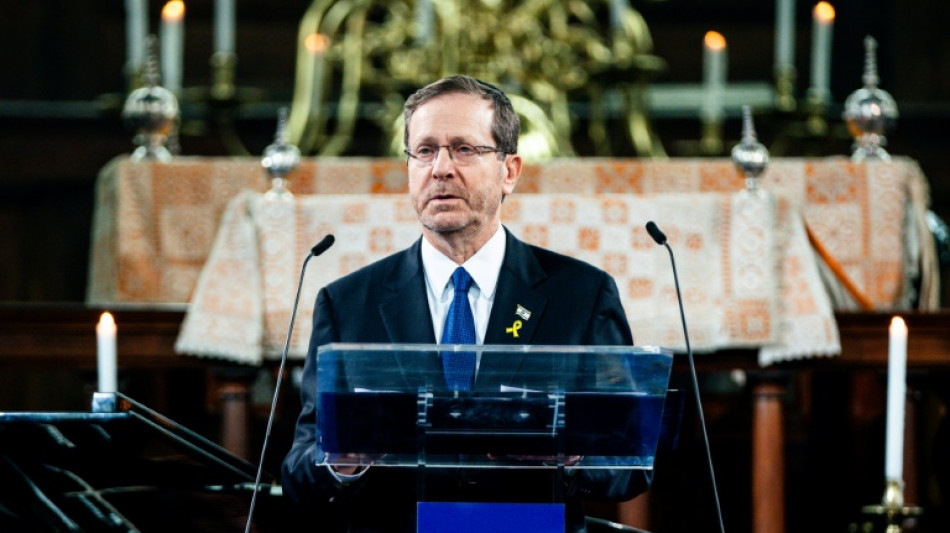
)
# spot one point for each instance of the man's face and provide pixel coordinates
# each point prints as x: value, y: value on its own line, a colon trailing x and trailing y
x: 450, y: 198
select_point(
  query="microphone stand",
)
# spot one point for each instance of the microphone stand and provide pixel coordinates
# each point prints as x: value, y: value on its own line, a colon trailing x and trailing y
x: 318, y: 249
x: 660, y: 239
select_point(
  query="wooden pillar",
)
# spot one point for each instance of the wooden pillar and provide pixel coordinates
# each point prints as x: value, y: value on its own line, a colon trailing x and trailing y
x: 234, y: 397
x: 768, y: 459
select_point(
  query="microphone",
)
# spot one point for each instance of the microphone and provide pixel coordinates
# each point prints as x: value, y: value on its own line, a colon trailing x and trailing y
x: 660, y: 239
x: 318, y: 249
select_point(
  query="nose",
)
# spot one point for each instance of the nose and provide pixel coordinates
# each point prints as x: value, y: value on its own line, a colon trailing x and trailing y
x: 443, y: 166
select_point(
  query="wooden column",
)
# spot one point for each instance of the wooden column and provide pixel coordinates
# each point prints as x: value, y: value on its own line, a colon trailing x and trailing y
x: 234, y: 398
x: 768, y: 459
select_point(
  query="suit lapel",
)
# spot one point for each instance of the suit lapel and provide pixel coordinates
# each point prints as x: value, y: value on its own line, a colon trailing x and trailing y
x: 518, y: 307
x: 404, y: 310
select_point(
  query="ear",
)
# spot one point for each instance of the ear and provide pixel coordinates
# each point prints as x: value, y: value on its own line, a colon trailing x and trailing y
x: 512, y: 173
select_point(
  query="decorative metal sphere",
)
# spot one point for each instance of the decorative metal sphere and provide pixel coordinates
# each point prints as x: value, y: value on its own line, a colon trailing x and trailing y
x: 750, y: 156
x: 151, y: 113
x: 280, y: 159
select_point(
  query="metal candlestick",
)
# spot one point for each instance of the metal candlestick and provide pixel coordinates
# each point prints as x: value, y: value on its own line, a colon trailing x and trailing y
x: 785, y: 89
x: 152, y: 112
x: 280, y: 158
x: 750, y: 156
x: 892, y: 507
x: 869, y: 111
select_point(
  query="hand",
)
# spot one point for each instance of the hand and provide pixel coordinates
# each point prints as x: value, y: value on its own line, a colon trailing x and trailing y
x: 352, y: 464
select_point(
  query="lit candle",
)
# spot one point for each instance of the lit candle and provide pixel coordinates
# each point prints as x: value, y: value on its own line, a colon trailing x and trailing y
x: 136, y: 27
x: 173, y: 37
x: 317, y: 44
x: 823, y: 22
x: 714, y: 75
x: 106, y: 353
x: 784, y: 35
x: 896, y: 393
x: 224, y: 26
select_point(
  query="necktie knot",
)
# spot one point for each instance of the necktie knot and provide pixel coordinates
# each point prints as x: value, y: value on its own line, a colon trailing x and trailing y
x: 462, y: 280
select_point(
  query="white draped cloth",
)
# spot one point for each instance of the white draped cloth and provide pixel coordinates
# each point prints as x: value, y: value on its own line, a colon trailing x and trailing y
x: 748, y: 275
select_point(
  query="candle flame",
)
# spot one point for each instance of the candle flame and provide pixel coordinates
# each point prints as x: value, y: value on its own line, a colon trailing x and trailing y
x: 106, y: 323
x: 714, y: 40
x: 898, y: 324
x: 174, y: 10
x: 317, y: 43
x: 824, y: 12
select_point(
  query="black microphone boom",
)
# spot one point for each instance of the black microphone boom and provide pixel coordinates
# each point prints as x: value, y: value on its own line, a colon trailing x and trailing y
x: 318, y: 249
x: 660, y: 239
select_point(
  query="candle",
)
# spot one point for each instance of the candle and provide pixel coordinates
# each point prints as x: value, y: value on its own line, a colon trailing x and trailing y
x: 896, y: 393
x: 784, y: 35
x: 714, y: 75
x: 136, y: 27
x: 172, y: 37
x: 106, y: 353
x: 823, y: 22
x: 224, y: 26
x: 317, y: 44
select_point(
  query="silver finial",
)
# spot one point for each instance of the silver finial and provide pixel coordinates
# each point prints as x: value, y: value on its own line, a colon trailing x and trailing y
x: 280, y: 158
x: 151, y: 111
x: 750, y: 156
x: 869, y: 111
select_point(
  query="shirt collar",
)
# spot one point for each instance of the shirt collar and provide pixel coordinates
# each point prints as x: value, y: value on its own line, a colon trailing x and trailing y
x: 483, y: 266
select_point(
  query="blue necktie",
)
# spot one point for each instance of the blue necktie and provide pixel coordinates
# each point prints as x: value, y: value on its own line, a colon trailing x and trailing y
x: 459, y: 328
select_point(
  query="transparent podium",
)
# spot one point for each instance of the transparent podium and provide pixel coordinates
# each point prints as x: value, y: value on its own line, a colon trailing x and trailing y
x: 528, y: 407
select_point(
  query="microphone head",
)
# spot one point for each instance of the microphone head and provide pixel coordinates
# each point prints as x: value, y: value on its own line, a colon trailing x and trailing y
x: 655, y: 232
x: 322, y: 246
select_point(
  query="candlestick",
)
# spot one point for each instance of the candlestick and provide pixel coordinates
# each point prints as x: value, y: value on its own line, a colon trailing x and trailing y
x: 714, y: 75
x: 172, y: 37
x: 136, y: 27
x: 106, y: 353
x: 896, y: 392
x: 823, y: 18
x: 224, y: 26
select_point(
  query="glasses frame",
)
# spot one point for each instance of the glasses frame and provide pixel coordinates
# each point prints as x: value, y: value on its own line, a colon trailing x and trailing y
x: 451, y: 148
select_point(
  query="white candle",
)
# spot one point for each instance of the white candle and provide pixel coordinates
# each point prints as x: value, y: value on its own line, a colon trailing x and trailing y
x: 896, y: 394
x: 224, y: 26
x: 173, y: 37
x: 714, y: 75
x: 317, y: 44
x: 784, y: 35
x: 136, y: 27
x: 823, y: 20
x: 106, y: 353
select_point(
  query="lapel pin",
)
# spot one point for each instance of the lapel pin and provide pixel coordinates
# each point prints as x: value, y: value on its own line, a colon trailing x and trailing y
x: 522, y: 312
x: 514, y: 328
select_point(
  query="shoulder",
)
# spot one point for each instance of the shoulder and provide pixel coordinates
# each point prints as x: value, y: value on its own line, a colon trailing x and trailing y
x: 387, y: 270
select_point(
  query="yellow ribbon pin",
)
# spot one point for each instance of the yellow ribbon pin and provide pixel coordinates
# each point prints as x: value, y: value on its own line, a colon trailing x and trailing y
x: 514, y: 328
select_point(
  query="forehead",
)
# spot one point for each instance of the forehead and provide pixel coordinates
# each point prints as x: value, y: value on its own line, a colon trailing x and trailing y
x: 452, y: 117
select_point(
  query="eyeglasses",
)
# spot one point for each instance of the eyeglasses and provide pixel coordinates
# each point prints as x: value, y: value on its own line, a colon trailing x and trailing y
x: 461, y: 153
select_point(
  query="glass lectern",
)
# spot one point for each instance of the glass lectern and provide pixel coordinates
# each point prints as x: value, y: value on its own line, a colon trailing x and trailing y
x: 528, y: 407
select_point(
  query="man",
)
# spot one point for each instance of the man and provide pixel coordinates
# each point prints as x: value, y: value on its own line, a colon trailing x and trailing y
x: 461, y: 139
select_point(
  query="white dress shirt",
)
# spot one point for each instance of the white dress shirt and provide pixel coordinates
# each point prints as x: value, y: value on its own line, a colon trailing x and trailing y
x: 484, y: 267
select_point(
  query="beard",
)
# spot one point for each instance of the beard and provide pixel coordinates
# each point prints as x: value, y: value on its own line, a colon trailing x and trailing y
x: 466, y: 211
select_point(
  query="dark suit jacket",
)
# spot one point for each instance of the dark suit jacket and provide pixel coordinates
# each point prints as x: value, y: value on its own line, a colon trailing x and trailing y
x: 571, y: 303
